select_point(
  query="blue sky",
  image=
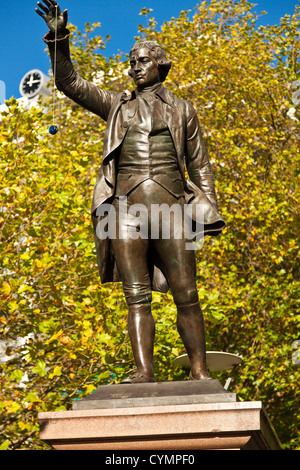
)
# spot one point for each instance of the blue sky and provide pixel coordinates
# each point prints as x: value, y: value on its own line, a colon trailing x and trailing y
x: 21, y: 29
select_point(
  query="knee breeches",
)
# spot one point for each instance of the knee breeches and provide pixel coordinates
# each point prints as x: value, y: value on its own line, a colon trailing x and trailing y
x: 132, y: 254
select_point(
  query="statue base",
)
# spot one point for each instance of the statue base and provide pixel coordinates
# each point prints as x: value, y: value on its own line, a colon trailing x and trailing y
x: 154, y: 394
x: 187, y: 415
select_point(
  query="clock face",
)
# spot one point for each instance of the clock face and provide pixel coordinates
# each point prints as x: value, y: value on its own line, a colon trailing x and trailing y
x: 31, y: 83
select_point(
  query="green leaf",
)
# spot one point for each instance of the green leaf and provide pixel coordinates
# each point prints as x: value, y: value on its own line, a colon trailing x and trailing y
x: 24, y: 288
x: 16, y: 375
x: 32, y: 398
x: 40, y: 368
x: 4, y: 445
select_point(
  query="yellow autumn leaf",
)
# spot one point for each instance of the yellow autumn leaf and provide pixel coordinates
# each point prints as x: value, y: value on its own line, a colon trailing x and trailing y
x: 25, y: 256
x: 89, y: 388
x: 93, y: 288
x: 54, y: 337
x: 11, y: 406
x: 6, y: 287
x: 56, y: 372
x: 39, y: 263
x: 12, y: 306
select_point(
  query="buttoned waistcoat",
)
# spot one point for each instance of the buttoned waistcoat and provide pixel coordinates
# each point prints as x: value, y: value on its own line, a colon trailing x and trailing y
x: 117, y: 109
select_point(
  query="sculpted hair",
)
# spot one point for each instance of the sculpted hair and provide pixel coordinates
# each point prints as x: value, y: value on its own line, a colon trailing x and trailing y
x: 159, y: 55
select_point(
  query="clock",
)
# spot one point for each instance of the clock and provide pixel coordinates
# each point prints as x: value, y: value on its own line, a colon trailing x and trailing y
x: 34, y: 83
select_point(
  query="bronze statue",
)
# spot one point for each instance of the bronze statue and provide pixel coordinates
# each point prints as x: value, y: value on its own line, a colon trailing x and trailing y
x: 150, y: 137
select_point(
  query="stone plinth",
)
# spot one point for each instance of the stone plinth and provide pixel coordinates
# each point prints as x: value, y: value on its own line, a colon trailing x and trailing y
x: 166, y: 416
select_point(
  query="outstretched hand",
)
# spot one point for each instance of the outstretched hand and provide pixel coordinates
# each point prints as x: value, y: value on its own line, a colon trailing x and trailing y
x: 51, y: 13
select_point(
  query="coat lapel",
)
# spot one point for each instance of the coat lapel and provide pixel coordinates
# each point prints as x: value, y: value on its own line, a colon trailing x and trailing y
x: 172, y: 118
x: 115, y: 132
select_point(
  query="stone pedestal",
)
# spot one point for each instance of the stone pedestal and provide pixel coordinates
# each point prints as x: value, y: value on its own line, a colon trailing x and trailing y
x: 170, y: 416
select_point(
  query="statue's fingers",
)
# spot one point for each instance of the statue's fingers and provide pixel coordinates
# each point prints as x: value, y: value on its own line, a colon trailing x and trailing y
x: 42, y: 7
x: 40, y: 13
x: 49, y: 4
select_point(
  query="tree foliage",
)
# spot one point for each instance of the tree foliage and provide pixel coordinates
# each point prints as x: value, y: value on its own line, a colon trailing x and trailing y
x: 63, y: 332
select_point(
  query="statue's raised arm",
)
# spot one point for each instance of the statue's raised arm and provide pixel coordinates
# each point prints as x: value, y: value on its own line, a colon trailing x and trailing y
x: 54, y: 18
x: 67, y: 80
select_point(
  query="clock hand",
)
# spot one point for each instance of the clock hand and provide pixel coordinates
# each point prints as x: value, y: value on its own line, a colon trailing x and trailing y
x: 30, y: 80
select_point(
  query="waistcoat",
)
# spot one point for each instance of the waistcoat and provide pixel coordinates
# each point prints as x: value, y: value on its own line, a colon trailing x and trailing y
x: 148, y: 151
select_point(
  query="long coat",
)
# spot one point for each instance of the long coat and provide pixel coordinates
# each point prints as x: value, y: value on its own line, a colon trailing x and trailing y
x: 117, y: 109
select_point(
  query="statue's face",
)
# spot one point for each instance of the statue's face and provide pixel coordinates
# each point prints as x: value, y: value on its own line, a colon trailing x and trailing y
x: 144, y: 70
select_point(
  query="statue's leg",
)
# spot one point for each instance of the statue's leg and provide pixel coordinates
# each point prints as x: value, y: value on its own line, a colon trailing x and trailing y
x: 190, y: 326
x: 137, y: 289
x: 190, y: 322
x: 141, y: 328
x: 180, y: 269
x: 131, y: 258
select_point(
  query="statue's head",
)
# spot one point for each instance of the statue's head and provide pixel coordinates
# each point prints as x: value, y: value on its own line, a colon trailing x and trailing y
x: 148, y: 63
